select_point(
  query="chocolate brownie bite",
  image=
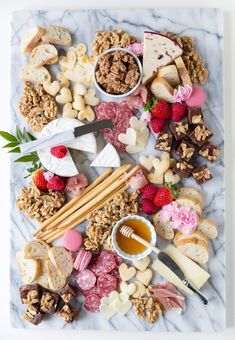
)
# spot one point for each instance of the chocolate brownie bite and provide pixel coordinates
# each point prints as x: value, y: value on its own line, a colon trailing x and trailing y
x: 68, y: 293
x: 195, y: 115
x: 183, y: 169
x: 68, y: 313
x: 179, y: 130
x: 209, y: 151
x: 201, y: 174
x: 200, y: 135
x: 164, y: 142
x: 49, y: 302
x: 33, y: 314
x: 185, y: 150
x: 30, y: 293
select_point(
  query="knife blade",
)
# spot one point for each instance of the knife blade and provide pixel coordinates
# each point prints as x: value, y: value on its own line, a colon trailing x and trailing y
x: 65, y: 136
x: 167, y: 260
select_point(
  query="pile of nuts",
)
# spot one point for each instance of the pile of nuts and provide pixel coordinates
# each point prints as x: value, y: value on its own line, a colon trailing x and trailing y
x: 38, y: 204
x: 147, y: 308
x: 37, y: 106
x: 101, y: 222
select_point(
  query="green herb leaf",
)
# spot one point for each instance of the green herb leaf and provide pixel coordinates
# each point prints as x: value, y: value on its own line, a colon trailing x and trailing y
x: 150, y: 105
x: 172, y: 188
x: 27, y: 158
x: 15, y: 150
x: 11, y: 145
x: 8, y: 136
x: 30, y: 137
x: 19, y: 134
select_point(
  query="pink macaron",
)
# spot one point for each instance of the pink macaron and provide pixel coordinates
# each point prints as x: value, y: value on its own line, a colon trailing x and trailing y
x: 72, y: 240
x: 82, y: 260
x: 197, y: 98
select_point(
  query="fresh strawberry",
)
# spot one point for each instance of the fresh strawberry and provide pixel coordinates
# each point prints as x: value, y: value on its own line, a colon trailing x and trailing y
x: 39, y: 179
x: 157, y: 124
x: 179, y: 111
x: 56, y: 183
x: 149, y: 191
x: 59, y: 151
x: 162, y: 110
x: 163, y: 196
x: 148, y: 206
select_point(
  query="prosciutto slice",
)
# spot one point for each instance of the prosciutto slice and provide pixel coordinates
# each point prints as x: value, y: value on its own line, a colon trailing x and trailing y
x: 168, y: 296
x: 138, y: 180
x: 139, y: 98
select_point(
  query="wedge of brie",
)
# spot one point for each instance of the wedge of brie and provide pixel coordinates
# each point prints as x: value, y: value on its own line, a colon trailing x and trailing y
x: 108, y: 157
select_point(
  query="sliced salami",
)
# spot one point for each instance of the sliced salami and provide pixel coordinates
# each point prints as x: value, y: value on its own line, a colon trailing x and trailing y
x: 92, y: 303
x: 115, y: 273
x: 106, y: 283
x: 90, y: 291
x: 106, y: 261
x: 86, y: 279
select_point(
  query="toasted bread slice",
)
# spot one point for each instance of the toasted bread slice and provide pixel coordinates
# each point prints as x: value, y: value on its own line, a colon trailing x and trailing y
x: 62, y: 260
x: 57, y: 35
x: 29, y: 269
x: 196, y: 250
x: 191, y: 192
x: 55, y: 280
x: 43, y: 54
x: 43, y: 278
x: 37, y: 75
x: 163, y: 229
x: 162, y: 90
x: 188, y: 201
x: 183, y: 72
x: 197, y: 235
x: 170, y: 74
x: 209, y: 228
x: 30, y: 39
x: 36, y: 250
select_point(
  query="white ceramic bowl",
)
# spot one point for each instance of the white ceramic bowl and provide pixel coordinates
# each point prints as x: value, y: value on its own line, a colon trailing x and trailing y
x: 130, y: 256
x: 124, y: 94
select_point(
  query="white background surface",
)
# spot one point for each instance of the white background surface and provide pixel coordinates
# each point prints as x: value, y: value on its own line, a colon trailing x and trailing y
x: 6, y: 7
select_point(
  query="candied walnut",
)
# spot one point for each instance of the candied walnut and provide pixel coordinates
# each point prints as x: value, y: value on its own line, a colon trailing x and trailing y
x: 187, y: 152
x: 181, y: 128
x: 31, y: 298
x: 68, y: 313
x: 147, y: 308
x: 38, y: 204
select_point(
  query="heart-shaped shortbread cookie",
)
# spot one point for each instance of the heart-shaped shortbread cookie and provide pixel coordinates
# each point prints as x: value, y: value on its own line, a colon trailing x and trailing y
x: 87, y: 113
x: 126, y: 272
x: 52, y: 88
x: 68, y: 111
x: 128, y: 138
x: 140, y: 290
x: 128, y: 288
x: 160, y: 166
x: 137, y: 124
x: 145, y: 277
x: 90, y: 98
x: 79, y: 103
x: 65, y: 96
x: 79, y: 89
x: 155, y: 178
x: 147, y: 162
x: 142, y: 136
x: 142, y: 264
x: 165, y: 155
x: 64, y: 82
x: 122, y: 307
x: 172, y: 178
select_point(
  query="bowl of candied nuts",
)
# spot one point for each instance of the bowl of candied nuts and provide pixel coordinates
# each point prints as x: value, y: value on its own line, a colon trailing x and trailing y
x: 117, y: 72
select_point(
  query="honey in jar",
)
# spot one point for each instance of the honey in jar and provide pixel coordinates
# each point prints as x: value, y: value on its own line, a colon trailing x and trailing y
x: 129, y: 245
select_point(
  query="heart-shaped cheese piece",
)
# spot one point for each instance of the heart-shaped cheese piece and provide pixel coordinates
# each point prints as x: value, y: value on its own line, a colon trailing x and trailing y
x: 113, y: 296
x: 161, y: 166
x: 165, y: 155
x: 142, y: 264
x: 137, y: 124
x: 140, y: 290
x: 79, y: 89
x: 81, y: 50
x: 155, y: 178
x: 52, y: 88
x: 135, y: 148
x: 68, y: 111
x: 128, y: 138
x: 122, y: 307
x: 142, y: 136
x: 69, y: 61
x: 107, y: 310
x: 65, y: 96
x: 87, y: 113
x: 145, y: 277
x: 126, y: 272
x: 79, y: 103
x: 172, y: 178
x: 128, y: 288
x: 90, y: 98
x: 147, y: 162
x: 64, y: 82
x: 123, y: 297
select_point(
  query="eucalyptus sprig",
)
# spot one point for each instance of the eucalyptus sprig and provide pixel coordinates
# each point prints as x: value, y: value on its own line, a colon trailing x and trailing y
x: 14, y: 141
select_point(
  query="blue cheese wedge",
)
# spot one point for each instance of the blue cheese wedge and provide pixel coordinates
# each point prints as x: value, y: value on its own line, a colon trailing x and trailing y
x: 108, y: 157
x: 158, y: 51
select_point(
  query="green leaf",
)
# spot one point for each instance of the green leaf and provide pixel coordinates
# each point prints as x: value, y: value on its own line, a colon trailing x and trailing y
x: 8, y: 136
x: 31, y: 137
x: 19, y: 134
x: 150, y: 105
x: 173, y: 189
x: 15, y: 150
x: 11, y: 145
x: 27, y: 158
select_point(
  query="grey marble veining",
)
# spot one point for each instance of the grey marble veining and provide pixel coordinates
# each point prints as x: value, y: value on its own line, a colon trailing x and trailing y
x: 206, y: 26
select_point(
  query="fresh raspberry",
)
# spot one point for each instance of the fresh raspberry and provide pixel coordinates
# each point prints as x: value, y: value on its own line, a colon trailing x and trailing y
x: 59, y: 151
x: 163, y: 196
x: 179, y: 111
x: 157, y: 124
x: 148, y: 206
x: 56, y: 183
x: 149, y: 191
x: 48, y: 175
x: 162, y: 110
x: 39, y: 179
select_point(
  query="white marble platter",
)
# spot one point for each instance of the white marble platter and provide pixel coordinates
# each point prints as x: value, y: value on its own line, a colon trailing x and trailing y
x: 205, y: 25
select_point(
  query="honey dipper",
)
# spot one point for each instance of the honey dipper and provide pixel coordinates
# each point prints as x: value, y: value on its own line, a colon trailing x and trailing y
x: 128, y: 232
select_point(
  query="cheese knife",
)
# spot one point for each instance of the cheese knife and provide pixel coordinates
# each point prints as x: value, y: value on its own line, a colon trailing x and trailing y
x: 65, y: 136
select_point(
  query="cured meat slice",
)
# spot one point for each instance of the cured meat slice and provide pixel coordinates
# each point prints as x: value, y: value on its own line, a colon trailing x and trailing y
x: 139, y: 98
x: 90, y: 291
x: 104, y: 263
x: 115, y: 273
x: 92, y: 303
x: 106, y: 283
x: 86, y: 279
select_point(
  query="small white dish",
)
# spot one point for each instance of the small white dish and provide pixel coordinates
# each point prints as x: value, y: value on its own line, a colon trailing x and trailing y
x: 118, y: 96
x: 120, y: 252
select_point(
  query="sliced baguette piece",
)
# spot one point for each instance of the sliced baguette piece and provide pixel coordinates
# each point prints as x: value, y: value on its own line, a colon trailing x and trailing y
x: 162, y: 229
x: 57, y: 35
x: 188, y: 201
x: 62, y: 260
x: 196, y: 250
x: 30, y: 39
x: 43, y: 54
x: 42, y: 280
x: 191, y: 192
x: 56, y: 282
x: 37, y: 75
x: 170, y: 74
x: 29, y: 269
x: 197, y: 235
x: 208, y: 227
x: 162, y: 90
x: 36, y: 250
x: 183, y: 72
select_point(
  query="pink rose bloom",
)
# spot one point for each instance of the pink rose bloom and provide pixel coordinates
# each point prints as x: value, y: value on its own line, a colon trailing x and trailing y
x: 168, y: 211
x: 185, y: 220
x: 146, y: 116
x: 136, y: 48
x: 182, y: 93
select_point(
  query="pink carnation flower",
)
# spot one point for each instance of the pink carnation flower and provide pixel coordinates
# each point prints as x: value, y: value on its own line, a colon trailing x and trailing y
x: 168, y: 211
x: 145, y: 116
x: 182, y: 93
